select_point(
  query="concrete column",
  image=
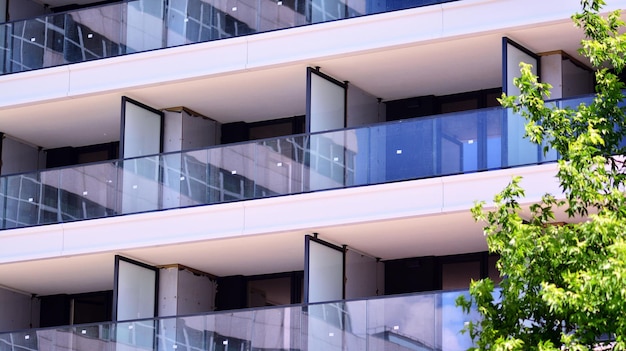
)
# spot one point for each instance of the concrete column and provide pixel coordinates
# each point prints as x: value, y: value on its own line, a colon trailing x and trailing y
x: 185, y: 129
x: 568, y: 76
x: 183, y: 290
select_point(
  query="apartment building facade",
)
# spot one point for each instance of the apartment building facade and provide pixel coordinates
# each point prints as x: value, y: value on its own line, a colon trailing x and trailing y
x: 261, y: 174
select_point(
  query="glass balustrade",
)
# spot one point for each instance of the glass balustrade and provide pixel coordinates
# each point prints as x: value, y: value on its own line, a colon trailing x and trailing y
x: 141, y: 25
x: 417, y: 148
x: 423, y: 321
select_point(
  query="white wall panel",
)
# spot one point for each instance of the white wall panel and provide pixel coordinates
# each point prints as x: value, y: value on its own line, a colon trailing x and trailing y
x: 536, y: 181
x: 324, y: 270
x: 136, y: 290
x: 157, y: 67
x: 141, y: 136
x: 327, y: 104
x: 338, y: 37
x: 41, y: 85
x: 28, y: 243
x: 153, y: 228
x: 386, y: 201
x: 520, y: 150
x: 142, y: 131
x: 465, y: 17
x: 515, y: 56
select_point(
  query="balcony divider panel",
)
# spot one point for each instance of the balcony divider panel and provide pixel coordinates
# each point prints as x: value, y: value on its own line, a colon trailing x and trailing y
x: 513, y: 54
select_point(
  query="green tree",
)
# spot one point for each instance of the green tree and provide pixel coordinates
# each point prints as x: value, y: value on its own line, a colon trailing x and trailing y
x: 565, y: 284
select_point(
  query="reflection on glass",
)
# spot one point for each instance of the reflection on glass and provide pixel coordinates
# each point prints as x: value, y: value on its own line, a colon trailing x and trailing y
x: 140, y: 179
x: 404, y: 322
x: 453, y: 321
x: 326, y: 160
x: 139, y: 335
x: 88, y: 191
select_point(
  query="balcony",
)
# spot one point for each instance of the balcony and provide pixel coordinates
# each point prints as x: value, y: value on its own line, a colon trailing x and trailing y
x: 137, y: 26
x: 426, y: 147
x: 424, y: 321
